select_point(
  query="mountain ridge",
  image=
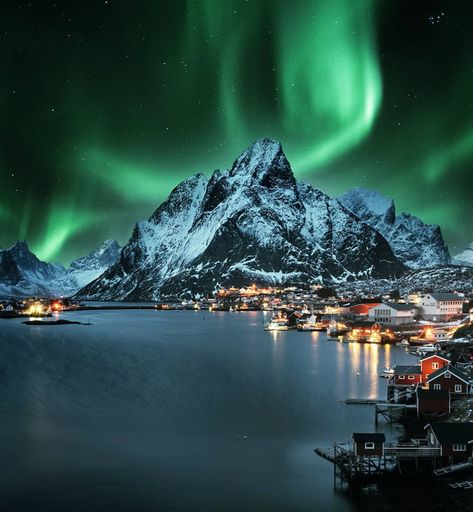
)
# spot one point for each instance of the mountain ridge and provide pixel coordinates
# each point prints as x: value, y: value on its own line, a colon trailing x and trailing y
x: 417, y: 245
x: 22, y: 273
x: 253, y: 222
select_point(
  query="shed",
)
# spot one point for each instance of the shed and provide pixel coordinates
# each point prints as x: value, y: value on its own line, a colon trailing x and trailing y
x: 369, y: 444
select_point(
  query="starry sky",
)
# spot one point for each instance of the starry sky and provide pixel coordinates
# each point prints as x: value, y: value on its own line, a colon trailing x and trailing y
x: 107, y: 104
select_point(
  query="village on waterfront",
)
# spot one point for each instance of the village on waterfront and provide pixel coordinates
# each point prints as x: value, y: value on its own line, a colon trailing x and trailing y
x: 430, y: 398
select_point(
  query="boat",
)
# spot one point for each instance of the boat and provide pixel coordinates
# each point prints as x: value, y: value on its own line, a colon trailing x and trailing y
x: 403, y: 343
x: 276, y: 326
x: 388, y: 370
x: 277, y: 323
x: 310, y: 324
x: 428, y: 347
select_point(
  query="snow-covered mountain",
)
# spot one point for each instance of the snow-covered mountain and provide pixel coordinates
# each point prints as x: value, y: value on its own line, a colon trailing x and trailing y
x: 465, y: 257
x: 84, y: 270
x: 253, y: 223
x: 23, y: 274
x: 416, y: 245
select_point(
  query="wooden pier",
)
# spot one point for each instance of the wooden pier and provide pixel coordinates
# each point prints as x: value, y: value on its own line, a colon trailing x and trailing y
x: 350, y: 468
x: 446, y: 470
x: 388, y: 411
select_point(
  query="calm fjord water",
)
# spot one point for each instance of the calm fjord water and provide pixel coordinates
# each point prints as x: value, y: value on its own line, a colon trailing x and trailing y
x: 177, y: 411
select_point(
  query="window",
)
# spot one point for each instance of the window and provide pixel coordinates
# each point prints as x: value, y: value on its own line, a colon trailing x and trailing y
x: 459, y: 447
x: 411, y: 377
x: 435, y: 366
x: 447, y: 375
x: 401, y: 377
x: 369, y: 446
x: 458, y: 388
x: 437, y: 386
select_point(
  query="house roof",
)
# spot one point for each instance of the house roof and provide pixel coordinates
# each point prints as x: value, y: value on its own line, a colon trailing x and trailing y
x: 451, y: 369
x: 434, y: 355
x: 453, y: 433
x: 407, y: 370
x: 445, y: 296
x: 433, y: 394
x: 400, y: 307
x: 370, y: 437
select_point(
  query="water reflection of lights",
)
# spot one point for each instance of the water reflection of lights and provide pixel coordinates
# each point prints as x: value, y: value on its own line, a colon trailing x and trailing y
x: 387, y: 356
x: 276, y: 334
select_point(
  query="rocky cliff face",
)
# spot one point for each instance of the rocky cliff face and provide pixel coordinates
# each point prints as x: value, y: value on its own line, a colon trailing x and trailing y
x: 416, y: 245
x: 253, y: 223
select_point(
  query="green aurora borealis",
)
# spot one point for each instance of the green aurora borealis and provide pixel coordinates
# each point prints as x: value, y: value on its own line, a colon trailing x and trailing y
x: 107, y: 105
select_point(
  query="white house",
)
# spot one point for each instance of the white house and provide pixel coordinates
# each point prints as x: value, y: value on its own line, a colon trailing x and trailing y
x: 440, y: 306
x: 392, y: 313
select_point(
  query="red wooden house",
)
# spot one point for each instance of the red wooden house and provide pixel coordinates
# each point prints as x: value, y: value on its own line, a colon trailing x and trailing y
x: 455, y: 440
x: 431, y: 364
x: 369, y: 444
x: 407, y: 375
x: 451, y: 379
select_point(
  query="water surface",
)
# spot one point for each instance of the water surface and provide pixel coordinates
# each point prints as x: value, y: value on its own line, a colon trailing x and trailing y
x: 178, y: 411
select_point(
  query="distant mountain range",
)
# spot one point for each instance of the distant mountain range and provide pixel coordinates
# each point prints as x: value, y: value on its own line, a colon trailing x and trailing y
x: 23, y: 274
x: 417, y: 245
x: 251, y: 224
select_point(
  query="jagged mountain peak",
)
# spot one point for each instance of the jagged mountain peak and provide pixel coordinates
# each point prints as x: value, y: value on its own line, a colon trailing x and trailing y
x: 263, y: 162
x: 466, y: 256
x: 253, y: 223
x: 416, y: 244
x: 369, y: 203
x: 19, y: 246
x: 102, y: 257
x: 22, y: 273
x: 28, y: 261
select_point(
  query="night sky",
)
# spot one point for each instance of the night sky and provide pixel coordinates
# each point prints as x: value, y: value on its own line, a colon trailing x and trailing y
x: 107, y: 105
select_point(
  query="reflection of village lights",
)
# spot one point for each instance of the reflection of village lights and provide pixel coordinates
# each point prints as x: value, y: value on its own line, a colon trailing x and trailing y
x: 375, y: 337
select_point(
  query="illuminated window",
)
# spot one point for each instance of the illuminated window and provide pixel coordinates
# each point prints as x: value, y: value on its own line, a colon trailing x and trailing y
x: 435, y: 366
x: 458, y: 388
x: 369, y: 446
x: 459, y: 447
